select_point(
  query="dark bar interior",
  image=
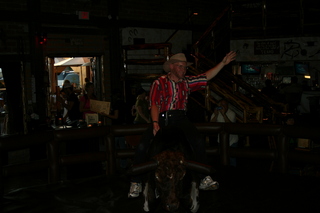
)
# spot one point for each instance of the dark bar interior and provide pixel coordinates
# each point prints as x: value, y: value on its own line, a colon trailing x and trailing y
x: 82, y: 81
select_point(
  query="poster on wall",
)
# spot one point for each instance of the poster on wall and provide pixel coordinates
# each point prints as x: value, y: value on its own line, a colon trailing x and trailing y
x: 266, y: 47
x: 282, y: 49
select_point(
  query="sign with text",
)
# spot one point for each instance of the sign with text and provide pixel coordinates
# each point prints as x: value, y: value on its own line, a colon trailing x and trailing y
x: 266, y: 47
x: 100, y: 106
x: 280, y: 49
x: 92, y: 118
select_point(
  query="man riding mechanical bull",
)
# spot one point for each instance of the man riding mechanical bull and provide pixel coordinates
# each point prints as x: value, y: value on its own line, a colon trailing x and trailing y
x: 168, y: 102
x: 171, y: 179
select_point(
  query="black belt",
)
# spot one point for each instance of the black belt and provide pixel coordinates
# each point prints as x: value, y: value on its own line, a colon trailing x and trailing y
x: 172, y: 114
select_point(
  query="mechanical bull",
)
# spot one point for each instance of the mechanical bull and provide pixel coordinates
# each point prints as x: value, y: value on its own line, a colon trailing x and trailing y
x: 171, y: 178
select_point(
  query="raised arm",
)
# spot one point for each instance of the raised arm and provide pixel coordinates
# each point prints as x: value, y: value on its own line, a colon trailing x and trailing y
x: 226, y: 60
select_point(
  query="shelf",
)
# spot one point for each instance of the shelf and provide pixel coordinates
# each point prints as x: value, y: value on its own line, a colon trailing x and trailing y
x: 147, y: 46
x: 153, y: 54
x: 145, y: 61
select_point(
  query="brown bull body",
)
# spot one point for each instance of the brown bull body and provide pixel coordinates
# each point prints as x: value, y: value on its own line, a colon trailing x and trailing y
x: 170, y: 181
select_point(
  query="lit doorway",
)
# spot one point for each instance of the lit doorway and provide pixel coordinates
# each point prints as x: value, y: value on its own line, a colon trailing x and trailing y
x: 77, y: 70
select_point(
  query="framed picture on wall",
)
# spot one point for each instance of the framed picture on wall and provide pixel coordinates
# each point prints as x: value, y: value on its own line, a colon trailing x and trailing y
x: 301, y: 68
x: 251, y: 69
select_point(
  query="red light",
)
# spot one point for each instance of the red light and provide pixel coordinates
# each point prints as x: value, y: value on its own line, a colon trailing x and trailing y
x: 84, y: 15
x: 42, y: 38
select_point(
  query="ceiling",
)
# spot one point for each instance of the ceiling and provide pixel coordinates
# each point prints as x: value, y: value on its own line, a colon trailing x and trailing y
x: 271, y: 18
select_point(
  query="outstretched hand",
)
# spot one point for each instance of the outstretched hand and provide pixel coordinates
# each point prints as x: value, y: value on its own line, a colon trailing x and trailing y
x: 229, y: 57
x: 226, y: 60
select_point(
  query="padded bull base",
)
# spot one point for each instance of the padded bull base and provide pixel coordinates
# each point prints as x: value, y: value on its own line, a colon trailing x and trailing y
x: 239, y: 192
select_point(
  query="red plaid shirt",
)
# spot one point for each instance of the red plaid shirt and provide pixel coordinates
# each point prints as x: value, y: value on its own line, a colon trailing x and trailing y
x: 168, y: 95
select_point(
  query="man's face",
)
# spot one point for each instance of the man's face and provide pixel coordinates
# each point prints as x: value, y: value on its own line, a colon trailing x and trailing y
x: 178, y: 69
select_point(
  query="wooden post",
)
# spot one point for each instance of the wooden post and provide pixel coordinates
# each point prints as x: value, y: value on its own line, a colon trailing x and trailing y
x: 282, y: 154
x: 224, y: 147
x: 110, y: 150
x: 53, y: 155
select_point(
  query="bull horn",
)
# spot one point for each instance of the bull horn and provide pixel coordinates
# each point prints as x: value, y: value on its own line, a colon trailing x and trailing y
x: 199, y: 167
x: 142, y: 168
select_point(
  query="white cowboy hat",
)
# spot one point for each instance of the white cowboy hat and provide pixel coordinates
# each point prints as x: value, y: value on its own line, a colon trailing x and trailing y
x: 179, y: 57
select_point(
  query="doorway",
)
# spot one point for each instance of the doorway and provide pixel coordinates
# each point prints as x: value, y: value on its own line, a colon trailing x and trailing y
x: 77, y: 70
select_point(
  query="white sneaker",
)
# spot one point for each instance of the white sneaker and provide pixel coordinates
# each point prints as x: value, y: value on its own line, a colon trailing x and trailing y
x: 135, y: 190
x: 208, y: 184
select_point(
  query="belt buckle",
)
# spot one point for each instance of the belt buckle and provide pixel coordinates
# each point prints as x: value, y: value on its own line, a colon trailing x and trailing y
x: 166, y: 118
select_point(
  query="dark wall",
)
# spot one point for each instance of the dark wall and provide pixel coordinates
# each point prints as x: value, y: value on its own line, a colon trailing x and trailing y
x: 13, y: 98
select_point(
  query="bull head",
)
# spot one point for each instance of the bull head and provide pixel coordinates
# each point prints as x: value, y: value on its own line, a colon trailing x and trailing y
x: 168, y: 178
x: 152, y: 165
x: 170, y: 168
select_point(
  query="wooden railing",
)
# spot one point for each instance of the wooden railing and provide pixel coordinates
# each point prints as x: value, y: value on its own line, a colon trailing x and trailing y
x: 56, y: 159
x: 226, y: 84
